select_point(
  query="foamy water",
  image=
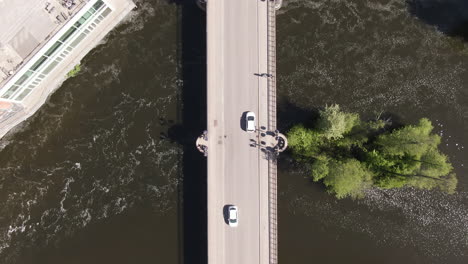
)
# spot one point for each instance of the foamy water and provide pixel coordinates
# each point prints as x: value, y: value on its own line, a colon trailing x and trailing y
x: 94, y: 151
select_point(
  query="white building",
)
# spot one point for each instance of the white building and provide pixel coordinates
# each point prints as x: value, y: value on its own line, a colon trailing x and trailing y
x: 35, y: 61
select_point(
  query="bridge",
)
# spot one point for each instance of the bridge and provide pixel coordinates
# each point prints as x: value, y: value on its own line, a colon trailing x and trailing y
x: 241, y: 70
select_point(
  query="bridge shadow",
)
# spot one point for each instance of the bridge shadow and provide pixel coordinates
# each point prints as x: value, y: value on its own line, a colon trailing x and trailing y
x: 448, y: 16
x: 193, y: 188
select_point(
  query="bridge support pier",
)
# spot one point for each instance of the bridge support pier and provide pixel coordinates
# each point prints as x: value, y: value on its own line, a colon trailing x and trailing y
x: 202, y: 143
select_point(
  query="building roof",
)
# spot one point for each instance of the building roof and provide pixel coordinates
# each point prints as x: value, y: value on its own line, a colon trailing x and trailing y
x: 25, y: 26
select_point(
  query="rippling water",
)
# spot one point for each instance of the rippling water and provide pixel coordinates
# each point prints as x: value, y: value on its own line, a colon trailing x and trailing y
x: 93, y: 168
x: 389, y: 57
x: 95, y: 175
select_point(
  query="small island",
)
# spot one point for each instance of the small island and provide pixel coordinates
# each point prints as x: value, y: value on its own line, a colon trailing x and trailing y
x: 350, y: 155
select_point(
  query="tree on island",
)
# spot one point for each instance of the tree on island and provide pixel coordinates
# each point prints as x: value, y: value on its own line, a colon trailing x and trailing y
x: 350, y: 155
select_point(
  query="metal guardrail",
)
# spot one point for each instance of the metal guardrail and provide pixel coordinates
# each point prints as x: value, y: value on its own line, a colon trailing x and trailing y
x: 272, y: 169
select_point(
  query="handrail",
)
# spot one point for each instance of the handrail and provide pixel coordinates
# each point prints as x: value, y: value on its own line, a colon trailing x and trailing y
x: 272, y: 169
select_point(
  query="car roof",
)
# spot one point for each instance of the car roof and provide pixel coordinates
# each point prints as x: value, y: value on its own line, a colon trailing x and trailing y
x: 232, y: 212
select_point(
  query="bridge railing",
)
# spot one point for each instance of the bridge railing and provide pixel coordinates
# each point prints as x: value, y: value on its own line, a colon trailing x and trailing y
x: 272, y: 169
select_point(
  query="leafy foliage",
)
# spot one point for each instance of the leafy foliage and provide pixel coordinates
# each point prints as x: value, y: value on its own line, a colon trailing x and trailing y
x: 347, y: 178
x: 305, y: 142
x: 319, y: 168
x: 350, y: 155
x: 74, y: 71
x: 409, y: 140
x: 334, y: 123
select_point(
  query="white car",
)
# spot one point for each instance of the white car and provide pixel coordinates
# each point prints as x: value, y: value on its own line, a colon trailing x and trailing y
x: 250, y: 122
x: 232, y: 216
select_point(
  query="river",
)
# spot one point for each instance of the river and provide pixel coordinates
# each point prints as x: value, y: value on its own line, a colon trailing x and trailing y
x: 105, y: 171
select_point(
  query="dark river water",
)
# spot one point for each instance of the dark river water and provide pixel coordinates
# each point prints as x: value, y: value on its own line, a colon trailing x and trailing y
x: 106, y: 171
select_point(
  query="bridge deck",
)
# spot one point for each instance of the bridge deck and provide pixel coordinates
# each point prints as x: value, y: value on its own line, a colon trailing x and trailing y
x: 240, y: 48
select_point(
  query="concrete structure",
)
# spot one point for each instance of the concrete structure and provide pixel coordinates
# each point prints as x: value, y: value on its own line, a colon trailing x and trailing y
x: 241, y: 165
x: 40, y: 41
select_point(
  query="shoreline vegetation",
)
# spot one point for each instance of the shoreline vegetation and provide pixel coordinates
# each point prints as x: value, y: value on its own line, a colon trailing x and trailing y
x: 74, y: 71
x: 349, y: 155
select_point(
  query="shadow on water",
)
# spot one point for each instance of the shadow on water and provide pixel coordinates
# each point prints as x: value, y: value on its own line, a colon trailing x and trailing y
x: 290, y: 114
x: 192, y: 193
x: 449, y: 16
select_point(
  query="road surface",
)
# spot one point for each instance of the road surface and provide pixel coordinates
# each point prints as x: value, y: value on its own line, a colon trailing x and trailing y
x: 237, y: 171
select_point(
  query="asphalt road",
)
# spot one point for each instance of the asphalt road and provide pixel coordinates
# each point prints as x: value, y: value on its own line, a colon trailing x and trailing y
x: 237, y: 171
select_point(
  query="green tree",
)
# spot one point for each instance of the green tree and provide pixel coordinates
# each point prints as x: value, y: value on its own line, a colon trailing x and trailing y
x: 304, y: 142
x: 434, y: 171
x: 349, y: 155
x: 347, y: 178
x: 409, y: 140
x: 449, y: 184
x: 334, y: 123
x: 409, y: 157
x: 434, y: 164
x: 319, y: 168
